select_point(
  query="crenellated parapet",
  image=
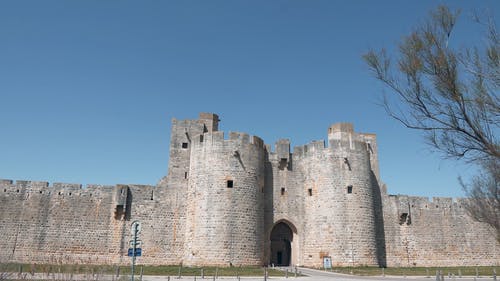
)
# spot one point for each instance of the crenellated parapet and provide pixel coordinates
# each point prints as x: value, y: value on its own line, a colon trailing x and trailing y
x: 406, y: 206
x: 68, y: 192
x: 55, y: 189
x: 342, y: 141
x: 218, y: 138
x: 423, y: 202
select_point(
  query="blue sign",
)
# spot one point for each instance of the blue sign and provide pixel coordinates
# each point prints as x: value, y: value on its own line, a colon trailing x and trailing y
x: 138, y: 252
x: 327, y: 262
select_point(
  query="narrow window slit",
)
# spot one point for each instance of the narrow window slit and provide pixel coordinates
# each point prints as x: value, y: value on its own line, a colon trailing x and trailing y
x: 404, y: 219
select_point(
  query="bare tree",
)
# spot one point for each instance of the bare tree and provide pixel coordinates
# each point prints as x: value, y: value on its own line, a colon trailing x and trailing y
x: 451, y: 95
x: 484, y: 195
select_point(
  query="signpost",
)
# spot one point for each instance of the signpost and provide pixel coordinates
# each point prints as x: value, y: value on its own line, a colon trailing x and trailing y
x: 135, y: 249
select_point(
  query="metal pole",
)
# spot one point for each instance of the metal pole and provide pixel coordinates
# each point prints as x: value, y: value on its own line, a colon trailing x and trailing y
x: 136, y: 226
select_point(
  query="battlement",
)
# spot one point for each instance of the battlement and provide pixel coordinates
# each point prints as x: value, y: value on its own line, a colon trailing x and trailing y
x: 359, y: 142
x: 342, y: 140
x: 219, y: 137
x: 421, y: 202
x: 56, y: 188
x: 317, y: 146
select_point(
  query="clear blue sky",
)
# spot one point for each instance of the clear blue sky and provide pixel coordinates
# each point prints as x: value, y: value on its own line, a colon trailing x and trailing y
x: 88, y: 88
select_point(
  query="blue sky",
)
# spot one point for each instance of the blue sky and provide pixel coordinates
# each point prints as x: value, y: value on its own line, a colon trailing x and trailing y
x: 88, y: 88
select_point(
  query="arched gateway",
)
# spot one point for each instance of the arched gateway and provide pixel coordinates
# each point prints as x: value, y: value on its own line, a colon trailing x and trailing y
x: 283, y: 244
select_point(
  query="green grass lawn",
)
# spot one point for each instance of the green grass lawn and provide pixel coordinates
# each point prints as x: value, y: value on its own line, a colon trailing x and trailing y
x: 165, y: 270
x: 239, y: 271
x: 419, y: 271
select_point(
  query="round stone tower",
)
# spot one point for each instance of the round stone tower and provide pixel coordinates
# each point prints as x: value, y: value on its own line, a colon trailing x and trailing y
x: 339, y: 208
x: 224, y: 216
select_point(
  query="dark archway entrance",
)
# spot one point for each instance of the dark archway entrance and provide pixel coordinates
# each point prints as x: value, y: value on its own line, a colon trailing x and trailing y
x: 281, y: 244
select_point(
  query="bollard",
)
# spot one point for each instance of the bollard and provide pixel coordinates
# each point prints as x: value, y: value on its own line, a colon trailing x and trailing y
x: 179, y: 275
x: 437, y: 276
x: 477, y: 272
x: 142, y: 270
x: 494, y: 274
x: 216, y: 273
x: 202, y: 274
x: 427, y: 272
x: 459, y: 273
x: 214, y: 277
x: 195, y: 278
x: 265, y: 274
x: 383, y: 272
x: 168, y: 278
x: 295, y: 271
x: 117, y: 271
x: 286, y: 273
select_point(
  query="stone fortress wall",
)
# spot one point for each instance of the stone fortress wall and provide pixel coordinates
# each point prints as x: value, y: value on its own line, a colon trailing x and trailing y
x: 60, y: 223
x: 334, y: 187
x: 232, y: 200
x: 225, y: 208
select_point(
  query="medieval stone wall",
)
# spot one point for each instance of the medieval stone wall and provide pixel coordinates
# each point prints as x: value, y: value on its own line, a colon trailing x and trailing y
x: 339, y: 210
x: 222, y: 198
x: 162, y: 215
x: 62, y: 223
x: 224, y: 224
x: 284, y: 199
x: 437, y: 232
